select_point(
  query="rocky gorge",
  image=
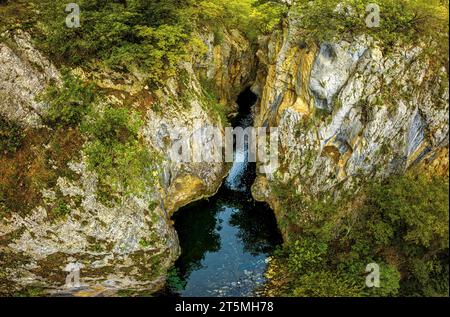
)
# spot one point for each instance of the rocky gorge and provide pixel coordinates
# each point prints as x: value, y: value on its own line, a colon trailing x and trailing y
x: 346, y: 110
x: 131, y: 244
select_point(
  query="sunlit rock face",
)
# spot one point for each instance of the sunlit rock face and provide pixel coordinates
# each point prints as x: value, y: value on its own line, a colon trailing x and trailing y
x: 347, y: 110
x: 24, y: 72
x: 226, y: 69
x: 128, y: 242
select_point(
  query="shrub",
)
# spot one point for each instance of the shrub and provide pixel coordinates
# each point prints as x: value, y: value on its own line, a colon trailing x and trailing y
x: 306, y: 254
x: 325, y: 284
x: 400, y: 223
x: 11, y: 136
x: 175, y: 281
x: 113, y: 125
x: 415, y: 212
x: 416, y: 206
x: 151, y: 36
x: 68, y: 103
x: 116, y: 152
x: 251, y: 17
x: 213, y: 105
x: 62, y: 209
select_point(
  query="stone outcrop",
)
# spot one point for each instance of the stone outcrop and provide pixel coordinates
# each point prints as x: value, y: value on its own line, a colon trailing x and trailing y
x: 128, y: 243
x: 24, y: 72
x: 349, y: 110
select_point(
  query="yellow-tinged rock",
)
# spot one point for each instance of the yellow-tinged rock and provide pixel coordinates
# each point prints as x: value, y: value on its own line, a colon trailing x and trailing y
x: 184, y: 190
x: 93, y: 291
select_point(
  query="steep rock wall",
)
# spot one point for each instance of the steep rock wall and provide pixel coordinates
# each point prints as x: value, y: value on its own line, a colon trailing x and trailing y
x: 347, y: 111
x: 128, y: 243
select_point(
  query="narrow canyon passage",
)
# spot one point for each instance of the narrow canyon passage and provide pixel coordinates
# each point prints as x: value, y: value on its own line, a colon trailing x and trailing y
x: 227, y: 239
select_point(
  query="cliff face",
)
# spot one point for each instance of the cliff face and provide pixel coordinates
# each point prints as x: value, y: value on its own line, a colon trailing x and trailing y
x: 128, y: 243
x: 24, y: 73
x: 348, y: 111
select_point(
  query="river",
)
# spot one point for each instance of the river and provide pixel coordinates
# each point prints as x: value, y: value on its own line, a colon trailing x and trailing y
x: 227, y: 239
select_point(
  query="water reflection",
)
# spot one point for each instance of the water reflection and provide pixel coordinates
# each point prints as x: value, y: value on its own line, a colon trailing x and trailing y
x: 226, y: 240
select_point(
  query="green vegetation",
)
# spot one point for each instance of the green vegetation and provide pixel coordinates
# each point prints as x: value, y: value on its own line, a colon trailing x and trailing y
x: 400, y: 224
x: 11, y: 136
x: 147, y: 36
x: 62, y: 209
x: 114, y: 147
x: 17, y: 14
x: 31, y: 291
x: 401, y: 22
x: 399, y: 19
x: 39, y: 161
x: 125, y: 35
x: 68, y: 103
x: 211, y: 101
x: 174, y: 282
x: 252, y: 17
x: 117, y: 153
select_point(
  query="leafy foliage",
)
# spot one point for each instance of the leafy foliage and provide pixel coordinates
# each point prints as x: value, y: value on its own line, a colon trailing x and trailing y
x: 325, y: 284
x: 401, y: 21
x: 11, y: 136
x: 306, y: 254
x: 400, y: 224
x: 116, y: 152
x: 416, y: 205
x: 250, y: 16
x: 174, y: 280
x: 115, y: 149
x: 148, y: 36
x: 70, y: 102
x: 211, y: 100
x: 126, y: 35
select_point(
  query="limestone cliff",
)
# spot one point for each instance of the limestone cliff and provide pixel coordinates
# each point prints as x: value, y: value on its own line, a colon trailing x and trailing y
x: 128, y: 243
x: 348, y: 110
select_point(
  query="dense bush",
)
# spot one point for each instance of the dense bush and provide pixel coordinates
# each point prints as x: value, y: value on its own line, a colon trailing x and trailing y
x: 325, y: 284
x: 306, y: 255
x: 252, y: 17
x: 410, y: 215
x: 148, y: 36
x: 11, y: 136
x: 117, y: 153
x: 68, y: 102
x: 126, y: 35
x: 400, y: 224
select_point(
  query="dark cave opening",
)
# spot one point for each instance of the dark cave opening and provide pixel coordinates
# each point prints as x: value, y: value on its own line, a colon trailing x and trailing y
x: 226, y: 239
